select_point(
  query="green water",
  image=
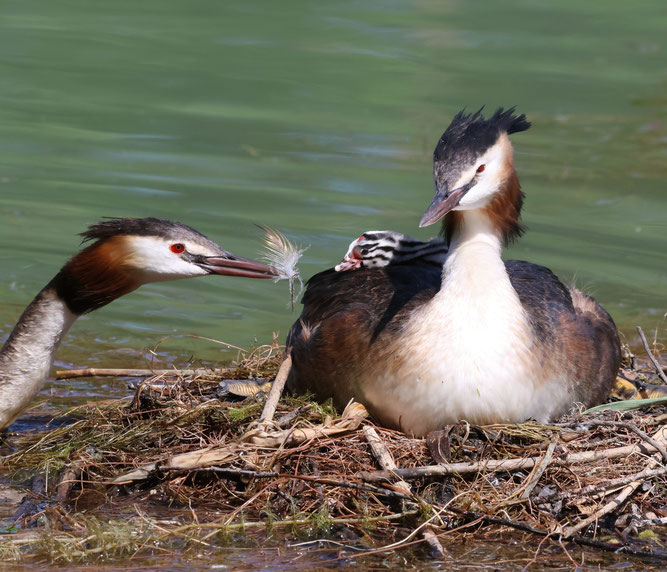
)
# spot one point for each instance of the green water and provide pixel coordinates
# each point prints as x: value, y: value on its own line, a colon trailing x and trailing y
x: 319, y: 119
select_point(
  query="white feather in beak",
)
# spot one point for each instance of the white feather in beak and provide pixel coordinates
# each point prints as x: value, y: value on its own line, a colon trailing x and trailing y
x: 283, y: 254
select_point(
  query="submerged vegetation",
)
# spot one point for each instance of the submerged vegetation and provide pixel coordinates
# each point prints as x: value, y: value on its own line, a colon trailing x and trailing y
x: 185, y: 464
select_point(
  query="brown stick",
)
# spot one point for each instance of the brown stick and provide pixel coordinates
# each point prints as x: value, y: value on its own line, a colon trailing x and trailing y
x: 508, y: 465
x: 66, y: 482
x: 658, y: 367
x: 114, y: 372
x: 276, y: 390
x: 437, y: 551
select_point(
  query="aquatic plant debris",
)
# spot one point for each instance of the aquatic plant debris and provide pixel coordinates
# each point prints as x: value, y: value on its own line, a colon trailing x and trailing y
x: 283, y: 255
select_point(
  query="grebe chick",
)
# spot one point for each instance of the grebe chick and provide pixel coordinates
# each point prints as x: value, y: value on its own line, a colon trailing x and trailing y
x: 478, y: 339
x: 379, y: 248
x: 125, y: 253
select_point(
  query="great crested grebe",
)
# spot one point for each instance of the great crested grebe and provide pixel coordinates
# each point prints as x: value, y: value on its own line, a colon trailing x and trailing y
x: 480, y: 339
x: 126, y: 253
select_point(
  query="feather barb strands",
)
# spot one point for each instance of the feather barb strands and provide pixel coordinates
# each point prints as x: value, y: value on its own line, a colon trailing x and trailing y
x: 283, y: 254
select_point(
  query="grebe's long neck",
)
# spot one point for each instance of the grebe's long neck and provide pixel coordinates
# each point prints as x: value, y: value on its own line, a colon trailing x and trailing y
x: 474, y: 275
x: 475, y: 234
x: 27, y: 356
x: 88, y: 281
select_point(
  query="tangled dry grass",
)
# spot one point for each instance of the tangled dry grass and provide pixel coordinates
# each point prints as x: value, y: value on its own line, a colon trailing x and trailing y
x: 183, y: 447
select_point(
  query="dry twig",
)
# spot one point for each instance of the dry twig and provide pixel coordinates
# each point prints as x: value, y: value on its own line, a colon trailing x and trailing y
x: 660, y: 447
x: 593, y: 490
x: 382, y: 455
x: 120, y: 372
x: 658, y: 367
x: 539, y: 470
x: 276, y: 390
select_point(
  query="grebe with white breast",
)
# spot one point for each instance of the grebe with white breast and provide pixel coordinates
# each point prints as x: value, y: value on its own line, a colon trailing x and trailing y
x: 422, y: 345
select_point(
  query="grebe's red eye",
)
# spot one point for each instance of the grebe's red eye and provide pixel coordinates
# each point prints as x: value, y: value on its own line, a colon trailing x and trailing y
x: 177, y: 248
x: 481, y: 168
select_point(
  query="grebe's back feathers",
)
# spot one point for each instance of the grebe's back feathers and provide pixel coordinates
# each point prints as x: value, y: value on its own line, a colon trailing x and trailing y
x: 571, y: 325
x: 348, y: 322
x: 399, y: 287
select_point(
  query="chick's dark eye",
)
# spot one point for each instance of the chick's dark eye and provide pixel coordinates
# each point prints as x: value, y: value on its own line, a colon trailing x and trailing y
x: 481, y: 168
x: 177, y: 248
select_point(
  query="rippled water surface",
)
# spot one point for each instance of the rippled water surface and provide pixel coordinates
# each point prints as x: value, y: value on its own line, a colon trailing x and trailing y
x: 319, y: 119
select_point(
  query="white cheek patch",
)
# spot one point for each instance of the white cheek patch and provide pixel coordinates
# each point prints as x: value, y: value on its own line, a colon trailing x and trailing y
x: 477, y: 196
x: 152, y: 257
x: 489, y: 180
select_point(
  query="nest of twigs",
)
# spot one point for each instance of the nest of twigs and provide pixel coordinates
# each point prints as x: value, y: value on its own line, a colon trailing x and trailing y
x: 183, y: 445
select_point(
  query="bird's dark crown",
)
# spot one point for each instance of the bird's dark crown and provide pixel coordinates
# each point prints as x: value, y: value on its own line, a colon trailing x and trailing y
x: 469, y: 135
x: 150, y: 226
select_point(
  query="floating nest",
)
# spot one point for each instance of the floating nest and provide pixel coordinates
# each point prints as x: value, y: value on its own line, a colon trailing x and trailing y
x: 186, y: 463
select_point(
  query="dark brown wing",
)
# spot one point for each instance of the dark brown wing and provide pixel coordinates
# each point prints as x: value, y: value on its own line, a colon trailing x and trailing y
x: 347, y: 319
x: 543, y: 296
x: 577, y: 335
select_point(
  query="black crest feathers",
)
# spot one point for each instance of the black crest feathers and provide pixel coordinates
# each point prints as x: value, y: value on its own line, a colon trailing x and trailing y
x: 471, y: 134
x: 150, y: 226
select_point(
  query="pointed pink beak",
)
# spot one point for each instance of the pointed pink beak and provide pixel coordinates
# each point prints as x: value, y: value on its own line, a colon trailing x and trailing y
x: 238, y: 266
